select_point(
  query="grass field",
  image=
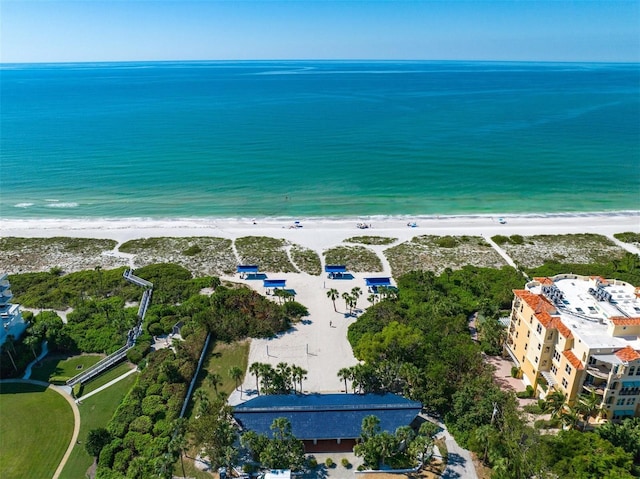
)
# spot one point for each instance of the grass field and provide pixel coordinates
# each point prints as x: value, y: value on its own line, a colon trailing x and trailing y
x: 36, y: 427
x: 95, y: 411
x: 105, y: 377
x: 60, y: 369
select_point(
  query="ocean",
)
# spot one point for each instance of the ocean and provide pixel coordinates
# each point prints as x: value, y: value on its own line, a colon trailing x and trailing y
x: 317, y: 139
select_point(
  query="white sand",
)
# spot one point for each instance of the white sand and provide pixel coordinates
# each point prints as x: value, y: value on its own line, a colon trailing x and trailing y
x: 319, y: 234
x: 314, y: 345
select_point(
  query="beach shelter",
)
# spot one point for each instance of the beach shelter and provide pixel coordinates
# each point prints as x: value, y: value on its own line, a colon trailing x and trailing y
x: 247, y: 270
x: 335, y: 270
x: 274, y: 284
x: 377, y: 282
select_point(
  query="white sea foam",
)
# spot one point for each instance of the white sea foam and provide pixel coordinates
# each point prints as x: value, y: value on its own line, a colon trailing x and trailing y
x: 22, y: 205
x: 57, y: 204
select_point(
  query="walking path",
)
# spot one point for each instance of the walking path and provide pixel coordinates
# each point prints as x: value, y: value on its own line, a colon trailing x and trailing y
x: 76, y: 418
x: 105, y: 386
x: 459, y: 463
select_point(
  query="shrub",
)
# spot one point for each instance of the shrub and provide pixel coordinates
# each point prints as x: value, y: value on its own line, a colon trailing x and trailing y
x: 329, y: 462
x: 192, y: 250
x: 312, y: 462
x: 515, y: 371
x: 345, y: 463
x: 500, y: 239
x: 516, y: 239
x: 447, y: 242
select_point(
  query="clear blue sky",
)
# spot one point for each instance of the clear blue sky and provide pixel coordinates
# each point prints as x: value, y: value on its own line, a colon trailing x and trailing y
x: 88, y: 30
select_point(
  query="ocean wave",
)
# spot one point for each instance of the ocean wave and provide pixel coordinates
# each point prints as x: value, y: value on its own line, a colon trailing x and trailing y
x: 57, y: 204
x: 22, y: 205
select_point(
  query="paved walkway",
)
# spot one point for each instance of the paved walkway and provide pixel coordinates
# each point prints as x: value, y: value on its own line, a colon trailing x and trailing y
x: 101, y: 388
x: 76, y: 418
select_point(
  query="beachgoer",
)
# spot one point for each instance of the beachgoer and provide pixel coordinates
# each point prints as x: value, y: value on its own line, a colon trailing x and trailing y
x: 331, y: 324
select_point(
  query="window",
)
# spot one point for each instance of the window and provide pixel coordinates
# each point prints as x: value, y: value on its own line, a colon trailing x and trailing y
x: 536, y: 360
x: 539, y: 329
x: 517, y: 333
x: 531, y: 319
x: 554, y: 369
x: 592, y: 360
x: 550, y: 335
x: 638, y: 372
x: 528, y: 333
x: 544, y: 363
x: 565, y: 383
x: 568, y: 369
x: 546, y: 349
x: 620, y: 402
x: 539, y: 346
x: 525, y: 346
x: 631, y: 401
x: 556, y: 355
x: 632, y: 370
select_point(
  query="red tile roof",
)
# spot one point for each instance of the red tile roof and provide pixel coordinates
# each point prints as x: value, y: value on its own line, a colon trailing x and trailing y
x: 627, y: 354
x: 575, y: 362
x: 624, y: 321
x: 535, y: 301
x: 561, y: 327
x: 544, y: 280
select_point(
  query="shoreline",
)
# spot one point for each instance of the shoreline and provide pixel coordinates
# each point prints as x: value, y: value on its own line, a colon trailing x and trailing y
x: 319, y: 233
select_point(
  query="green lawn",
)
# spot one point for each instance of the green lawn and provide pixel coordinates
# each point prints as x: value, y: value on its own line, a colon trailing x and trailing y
x: 60, y: 369
x: 105, y: 377
x: 95, y: 411
x: 222, y: 358
x: 35, y: 430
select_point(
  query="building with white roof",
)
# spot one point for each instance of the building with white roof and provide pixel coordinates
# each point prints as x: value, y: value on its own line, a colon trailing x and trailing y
x: 579, y: 334
x: 12, y: 322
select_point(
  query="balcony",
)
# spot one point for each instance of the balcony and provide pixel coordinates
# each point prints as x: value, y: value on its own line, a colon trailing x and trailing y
x: 599, y: 371
x: 597, y: 389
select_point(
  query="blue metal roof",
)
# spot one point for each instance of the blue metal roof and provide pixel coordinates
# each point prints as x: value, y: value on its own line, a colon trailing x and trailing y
x: 335, y: 268
x: 274, y: 283
x: 326, y: 416
x: 378, y: 281
x: 247, y: 268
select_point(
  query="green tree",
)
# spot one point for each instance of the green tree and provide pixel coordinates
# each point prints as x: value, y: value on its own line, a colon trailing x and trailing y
x: 344, y: 374
x: 256, y: 369
x: 96, y: 440
x: 333, y: 294
x: 236, y: 374
x: 214, y: 432
x: 283, y: 450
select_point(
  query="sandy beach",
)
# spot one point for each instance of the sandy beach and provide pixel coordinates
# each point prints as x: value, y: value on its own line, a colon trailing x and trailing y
x: 319, y: 344
x: 318, y: 234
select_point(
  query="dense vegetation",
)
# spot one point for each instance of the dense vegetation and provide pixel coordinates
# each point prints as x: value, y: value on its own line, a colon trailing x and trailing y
x: 418, y: 343
x: 626, y: 269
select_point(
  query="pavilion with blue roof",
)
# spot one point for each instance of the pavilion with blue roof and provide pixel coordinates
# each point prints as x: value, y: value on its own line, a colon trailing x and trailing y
x: 326, y: 422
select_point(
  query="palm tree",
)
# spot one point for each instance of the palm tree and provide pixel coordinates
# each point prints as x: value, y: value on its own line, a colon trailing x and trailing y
x: 333, y: 294
x: 256, y: 369
x: 569, y: 417
x: 8, y: 344
x: 215, y: 380
x: 588, y: 406
x: 344, y: 374
x: 298, y: 375
x: 179, y: 441
x: 31, y: 342
x: 372, y: 299
x: 554, y: 403
x: 347, y: 301
x: 236, y: 374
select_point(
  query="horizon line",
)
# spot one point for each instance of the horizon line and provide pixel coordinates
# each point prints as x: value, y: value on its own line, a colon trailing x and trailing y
x: 325, y: 60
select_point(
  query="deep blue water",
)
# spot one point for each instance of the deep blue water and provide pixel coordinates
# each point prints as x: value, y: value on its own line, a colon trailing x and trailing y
x: 244, y: 139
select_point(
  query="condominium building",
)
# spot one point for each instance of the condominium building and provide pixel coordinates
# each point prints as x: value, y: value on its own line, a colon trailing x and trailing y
x: 12, y: 322
x: 579, y: 334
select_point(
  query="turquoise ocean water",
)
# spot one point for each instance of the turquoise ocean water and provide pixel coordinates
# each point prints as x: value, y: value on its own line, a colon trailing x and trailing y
x: 309, y: 139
